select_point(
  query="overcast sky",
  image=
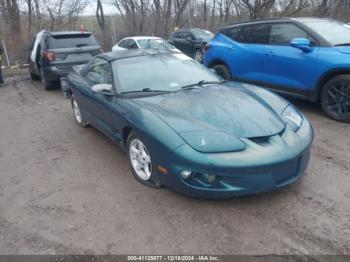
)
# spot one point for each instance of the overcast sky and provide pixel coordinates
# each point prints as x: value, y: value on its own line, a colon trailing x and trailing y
x: 107, y: 9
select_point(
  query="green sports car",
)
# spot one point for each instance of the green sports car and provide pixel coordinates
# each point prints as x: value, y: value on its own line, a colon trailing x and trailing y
x: 183, y: 127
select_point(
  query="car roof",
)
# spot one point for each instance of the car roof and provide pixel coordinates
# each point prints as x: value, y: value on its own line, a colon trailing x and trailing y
x: 189, y: 29
x: 121, y: 54
x: 141, y: 37
x: 59, y: 33
x: 277, y: 19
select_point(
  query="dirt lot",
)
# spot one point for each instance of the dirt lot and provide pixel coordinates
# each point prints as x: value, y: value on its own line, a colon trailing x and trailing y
x: 67, y: 190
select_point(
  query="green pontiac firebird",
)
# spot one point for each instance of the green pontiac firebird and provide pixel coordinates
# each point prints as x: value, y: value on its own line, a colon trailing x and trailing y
x: 185, y: 128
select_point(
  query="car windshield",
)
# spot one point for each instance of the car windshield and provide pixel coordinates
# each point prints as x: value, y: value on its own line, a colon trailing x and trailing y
x: 205, y: 35
x: 336, y: 33
x: 161, y: 73
x: 155, y: 44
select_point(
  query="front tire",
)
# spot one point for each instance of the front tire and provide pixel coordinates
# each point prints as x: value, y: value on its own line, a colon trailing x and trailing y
x: 223, y: 71
x: 335, y: 98
x: 77, y: 114
x: 198, y: 56
x: 140, y: 160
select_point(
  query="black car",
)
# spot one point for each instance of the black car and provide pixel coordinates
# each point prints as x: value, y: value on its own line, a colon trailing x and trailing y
x: 191, y: 41
x: 56, y: 53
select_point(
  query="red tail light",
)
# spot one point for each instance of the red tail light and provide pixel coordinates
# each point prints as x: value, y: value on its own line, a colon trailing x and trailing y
x: 206, y: 48
x: 51, y: 56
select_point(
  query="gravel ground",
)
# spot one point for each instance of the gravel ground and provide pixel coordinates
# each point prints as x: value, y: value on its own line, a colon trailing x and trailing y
x: 67, y: 190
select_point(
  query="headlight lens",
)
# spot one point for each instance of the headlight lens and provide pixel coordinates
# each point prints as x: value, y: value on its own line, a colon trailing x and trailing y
x: 293, y: 118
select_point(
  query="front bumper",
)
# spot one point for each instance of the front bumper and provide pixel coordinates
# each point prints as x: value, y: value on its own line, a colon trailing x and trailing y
x: 259, y: 168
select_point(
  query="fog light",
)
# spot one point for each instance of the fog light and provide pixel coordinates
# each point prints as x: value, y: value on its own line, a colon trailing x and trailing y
x: 186, y: 173
x: 210, y: 178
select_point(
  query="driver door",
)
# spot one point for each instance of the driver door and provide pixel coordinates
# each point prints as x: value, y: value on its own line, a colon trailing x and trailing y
x: 99, y: 107
x: 286, y: 66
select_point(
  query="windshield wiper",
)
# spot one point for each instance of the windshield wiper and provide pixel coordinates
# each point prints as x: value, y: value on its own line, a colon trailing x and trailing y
x: 202, y: 83
x: 344, y: 44
x: 145, y: 90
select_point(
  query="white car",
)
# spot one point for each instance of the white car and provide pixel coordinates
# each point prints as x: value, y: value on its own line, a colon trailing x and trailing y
x: 143, y: 42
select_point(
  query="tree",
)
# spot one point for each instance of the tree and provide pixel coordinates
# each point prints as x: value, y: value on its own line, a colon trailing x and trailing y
x: 101, y: 20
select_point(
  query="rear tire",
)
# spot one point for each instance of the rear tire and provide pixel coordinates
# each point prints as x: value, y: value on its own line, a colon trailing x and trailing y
x: 34, y: 77
x: 198, y: 55
x: 77, y: 114
x: 335, y: 98
x: 47, y: 85
x: 223, y: 71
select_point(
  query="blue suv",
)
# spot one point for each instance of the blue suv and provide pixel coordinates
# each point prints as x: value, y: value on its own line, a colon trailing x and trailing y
x: 303, y: 57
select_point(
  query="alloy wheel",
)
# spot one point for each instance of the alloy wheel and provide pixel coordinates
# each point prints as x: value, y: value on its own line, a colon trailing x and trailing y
x: 140, y: 159
x: 338, y: 99
x: 77, y: 112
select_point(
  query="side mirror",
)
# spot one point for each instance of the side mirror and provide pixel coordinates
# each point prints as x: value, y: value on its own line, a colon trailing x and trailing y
x: 302, y: 44
x: 103, y: 89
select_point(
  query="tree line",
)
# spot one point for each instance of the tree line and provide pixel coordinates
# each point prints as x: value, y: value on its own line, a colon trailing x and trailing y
x: 21, y: 19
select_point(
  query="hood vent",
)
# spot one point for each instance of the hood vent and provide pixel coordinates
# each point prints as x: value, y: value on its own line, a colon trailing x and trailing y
x: 260, y: 140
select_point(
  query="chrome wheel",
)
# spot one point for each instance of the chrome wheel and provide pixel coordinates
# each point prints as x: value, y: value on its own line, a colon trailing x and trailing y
x: 77, y: 112
x: 140, y: 159
x: 198, y: 56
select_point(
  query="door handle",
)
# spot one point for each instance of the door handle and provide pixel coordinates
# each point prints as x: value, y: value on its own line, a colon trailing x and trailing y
x: 232, y: 48
x: 270, y: 53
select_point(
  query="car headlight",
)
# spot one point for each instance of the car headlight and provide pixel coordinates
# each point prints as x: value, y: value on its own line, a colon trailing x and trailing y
x: 293, y: 118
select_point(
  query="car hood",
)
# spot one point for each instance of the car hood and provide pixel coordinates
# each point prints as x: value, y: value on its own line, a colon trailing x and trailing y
x: 224, y: 109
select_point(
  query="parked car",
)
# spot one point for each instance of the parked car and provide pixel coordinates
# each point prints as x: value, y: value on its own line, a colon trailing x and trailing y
x: 185, y: 128
x: 53, y: 54
x: 191, y: 41
x: 303, y: 57
x: 143, y: 42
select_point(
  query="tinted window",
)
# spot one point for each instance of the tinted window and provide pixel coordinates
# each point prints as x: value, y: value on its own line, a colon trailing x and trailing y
x: 250, y: 34
x: 184, y: 35
x: 100, y: 72
x: 283, y: 34
x: 175, y: 35
x: 202, y: 35
x: 69, y: 41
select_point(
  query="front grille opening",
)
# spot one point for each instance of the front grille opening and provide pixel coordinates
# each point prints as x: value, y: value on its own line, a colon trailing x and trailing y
x: 264, y: 140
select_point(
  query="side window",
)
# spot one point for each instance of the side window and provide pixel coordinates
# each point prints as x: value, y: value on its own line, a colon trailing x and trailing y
x: 282, y: 34
x: 99, y: 72
x: 186, y: 35
x: 250, y: 34
x: 182, y: 35
x: 123, y: 43
x: 175, y: 35
x: 233, y: 33
x: 132, y: 44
